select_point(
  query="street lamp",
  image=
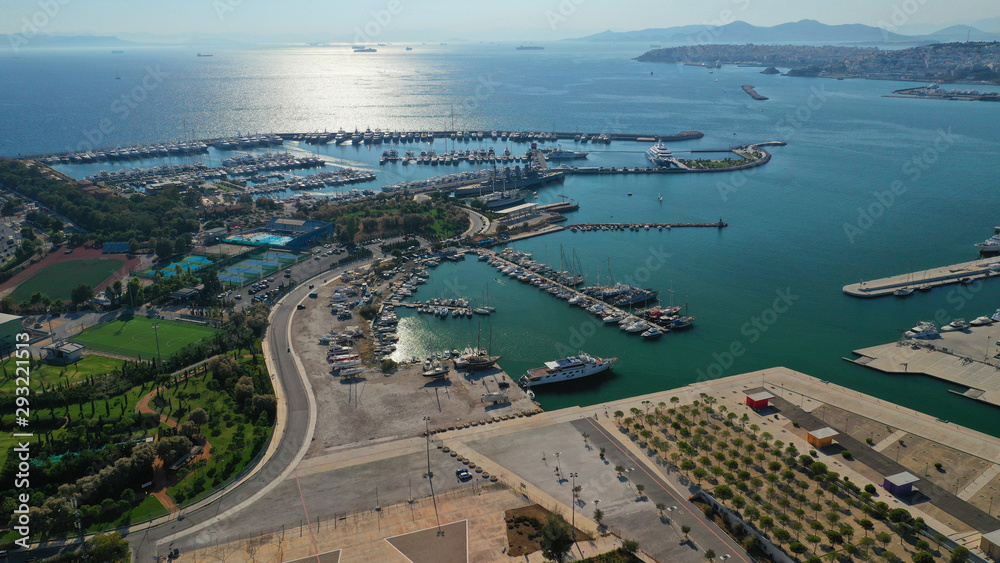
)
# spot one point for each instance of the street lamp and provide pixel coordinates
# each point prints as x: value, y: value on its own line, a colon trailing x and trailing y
x: 573, y: 476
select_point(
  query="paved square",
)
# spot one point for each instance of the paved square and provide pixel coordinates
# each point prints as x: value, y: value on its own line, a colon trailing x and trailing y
x: 449, y: 545
x: 328, y: 557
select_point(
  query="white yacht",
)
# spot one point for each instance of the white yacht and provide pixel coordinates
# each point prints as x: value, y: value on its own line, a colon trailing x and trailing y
x: 560, y: 154
x: 660, y: 155
x: 981, y: 321
x: 991, y: 244
x: 957, y: 324
x: 996, y: 316
x: 573, y: 367
x: 923, y: 329
x: 638, y: 326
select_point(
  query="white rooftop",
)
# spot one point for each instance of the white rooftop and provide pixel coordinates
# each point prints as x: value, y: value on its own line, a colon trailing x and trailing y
x: 760, y: 396
x: 904, y: 478
x: 993, y: 537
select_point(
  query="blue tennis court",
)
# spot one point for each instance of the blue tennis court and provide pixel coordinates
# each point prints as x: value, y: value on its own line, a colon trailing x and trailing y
x: 261, y: 263
x: 259, y: 238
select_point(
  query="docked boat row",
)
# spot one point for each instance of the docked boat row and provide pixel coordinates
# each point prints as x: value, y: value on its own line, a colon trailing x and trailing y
x: 376, y: 137
x: 432, y: 157
x: 521, y: 266
x: 925, y: 330
x: 128, y: 153
x: 246, y: 142
x: 341, y: 177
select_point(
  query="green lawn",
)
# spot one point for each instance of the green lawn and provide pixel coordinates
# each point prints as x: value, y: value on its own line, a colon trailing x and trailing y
x: 52, y: 279
x: 49, y: 375
x: 135, y: 337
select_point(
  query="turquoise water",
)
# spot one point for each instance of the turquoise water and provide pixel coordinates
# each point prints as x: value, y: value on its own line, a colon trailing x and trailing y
x: 848, y: 148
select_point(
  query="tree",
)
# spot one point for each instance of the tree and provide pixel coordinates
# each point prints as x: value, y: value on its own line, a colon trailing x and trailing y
x: 709, y: 554
x: 883, y: 538
x: 797, y: 548
x: 164, y: 249
x: 198, y: 416
x: 81, y: 293
x: 108, y: 547
x: 598, y: 516
x: 959, y: 555
x: 782, y: 535
x: 556, y: 539
x: 639, y: 488
x: 814, y: 540
x: 867, y: 524
x: 923, y: 557
x: 723, y: 493
x: 630, y: 546
x: 173, y: 448
x: 685, y: 529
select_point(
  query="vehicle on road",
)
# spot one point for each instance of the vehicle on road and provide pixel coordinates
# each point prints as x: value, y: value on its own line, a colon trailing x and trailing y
x: 463, y: 474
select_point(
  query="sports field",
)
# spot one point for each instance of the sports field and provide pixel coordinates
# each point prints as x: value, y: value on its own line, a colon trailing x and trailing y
x: 58, y: 280
x: 134, y: 337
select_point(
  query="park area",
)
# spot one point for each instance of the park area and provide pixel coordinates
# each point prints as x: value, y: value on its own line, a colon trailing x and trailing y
x: 792, y: 498
x: 135, y: 337
x: 52, y: 279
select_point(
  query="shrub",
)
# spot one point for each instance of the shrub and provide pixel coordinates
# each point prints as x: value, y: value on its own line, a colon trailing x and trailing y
x: 846, y: 454
x: 870, y: 489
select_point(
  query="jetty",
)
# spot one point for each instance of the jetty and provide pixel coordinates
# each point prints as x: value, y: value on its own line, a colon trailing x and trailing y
x: 587, y: 227
x: 749, y: 89
x: 964, y: 273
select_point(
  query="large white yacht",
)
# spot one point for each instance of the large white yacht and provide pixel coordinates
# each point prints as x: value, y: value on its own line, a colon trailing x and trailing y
x: 923, y: 330
x: 991, y: 244
x: 573, y: 367
x: 660, y: 155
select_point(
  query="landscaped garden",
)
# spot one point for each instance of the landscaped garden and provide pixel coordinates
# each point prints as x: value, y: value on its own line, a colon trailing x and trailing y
x: 790, y: 497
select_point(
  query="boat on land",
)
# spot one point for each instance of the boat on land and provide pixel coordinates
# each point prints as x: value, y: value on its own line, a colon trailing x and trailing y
x: 574, y: 367
x: 435, y: 369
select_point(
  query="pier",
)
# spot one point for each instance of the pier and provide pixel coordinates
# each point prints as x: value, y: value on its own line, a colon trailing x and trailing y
x: 749, y: 89
x: 551, y: 283
x: 586, y: 227
x: 966, y: 272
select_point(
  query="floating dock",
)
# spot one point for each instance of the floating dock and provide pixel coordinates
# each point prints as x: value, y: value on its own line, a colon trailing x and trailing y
x: 966, y: 272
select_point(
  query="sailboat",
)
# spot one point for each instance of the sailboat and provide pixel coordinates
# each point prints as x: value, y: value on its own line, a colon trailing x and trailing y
x: 905, y: 290
x: 479, y: 358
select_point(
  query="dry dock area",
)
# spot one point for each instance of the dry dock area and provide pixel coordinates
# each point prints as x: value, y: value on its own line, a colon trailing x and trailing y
x: 966, y: 272
x: 966, y: 358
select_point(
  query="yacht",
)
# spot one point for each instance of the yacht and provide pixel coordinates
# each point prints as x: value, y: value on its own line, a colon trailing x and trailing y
x: 560, y: 154
x: 660, y: 155
x: 573, y: 367
x: 923, y: 330
x: 996, y: 316
x: 474, y: 359
x: 903, y: 291
x: 990, y: 245
x: 435, y: 369
x: 981, y: 321
x: 638, y: 326
x: 681, y: 322
x: 652, y: 333
x: 957, y: 324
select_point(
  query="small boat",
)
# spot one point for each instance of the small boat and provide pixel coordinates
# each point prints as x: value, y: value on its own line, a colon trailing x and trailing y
x: 436, y: 369
x: 903, y: 291
x: 652, y: 333
x: 981, y: 321
x: 996, y: 316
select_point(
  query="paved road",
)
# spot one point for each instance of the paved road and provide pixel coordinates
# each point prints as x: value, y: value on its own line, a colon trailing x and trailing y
x: 865, y: 454
x: 705, y: 534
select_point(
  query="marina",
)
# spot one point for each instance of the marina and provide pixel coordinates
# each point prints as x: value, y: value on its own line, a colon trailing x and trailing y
x: 962, y: 273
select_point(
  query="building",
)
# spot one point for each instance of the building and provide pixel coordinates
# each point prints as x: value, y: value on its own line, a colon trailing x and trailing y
x: 10, y: 326
x: 990, y: 544
x: 900, y: 484
x: 63, y: 352
x: 758, y: 400
x: 822, y: 437
x: 285, y: 232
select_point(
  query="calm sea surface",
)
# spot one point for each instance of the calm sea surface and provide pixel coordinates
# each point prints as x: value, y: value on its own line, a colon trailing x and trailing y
x: 787, y: 243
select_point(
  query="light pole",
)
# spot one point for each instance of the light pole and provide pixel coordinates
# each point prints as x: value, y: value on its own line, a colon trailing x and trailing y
x: 156, y: 332
x: 573, y: 476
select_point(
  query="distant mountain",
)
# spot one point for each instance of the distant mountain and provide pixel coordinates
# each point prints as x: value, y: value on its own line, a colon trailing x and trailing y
x: 989, y: 25
x: 804, y: 31
x: 961, y: 33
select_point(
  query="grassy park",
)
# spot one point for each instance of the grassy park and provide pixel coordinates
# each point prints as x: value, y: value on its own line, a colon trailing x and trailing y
x: 135, y: 337
x: 51, y: 280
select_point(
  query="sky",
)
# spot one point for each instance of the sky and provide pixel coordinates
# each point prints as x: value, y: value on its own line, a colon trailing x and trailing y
x: 433, y: 20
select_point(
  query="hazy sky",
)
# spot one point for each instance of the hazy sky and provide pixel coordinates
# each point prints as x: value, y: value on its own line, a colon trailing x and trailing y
x: 540, y: 20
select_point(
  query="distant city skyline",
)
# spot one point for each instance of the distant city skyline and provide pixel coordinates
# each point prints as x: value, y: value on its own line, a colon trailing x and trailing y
x: 444, y: 20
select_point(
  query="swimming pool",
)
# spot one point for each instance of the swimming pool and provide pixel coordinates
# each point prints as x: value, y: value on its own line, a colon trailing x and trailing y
x: 259, y: 238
